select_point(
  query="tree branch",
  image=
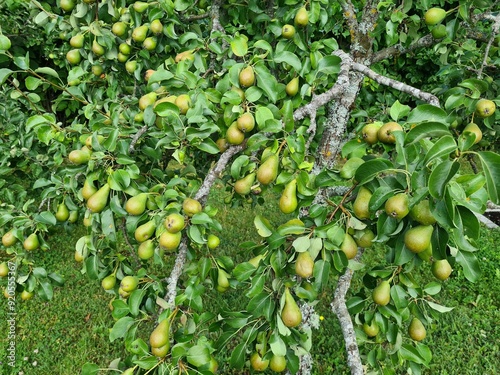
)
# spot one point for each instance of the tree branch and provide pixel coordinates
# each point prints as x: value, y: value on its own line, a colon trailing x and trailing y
x: 136, y: 137
x: 132, y: 252
x: 494, y: 32
x: 399, y: 49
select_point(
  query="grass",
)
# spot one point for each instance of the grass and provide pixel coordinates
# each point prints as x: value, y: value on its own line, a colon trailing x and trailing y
x: 58, y: 337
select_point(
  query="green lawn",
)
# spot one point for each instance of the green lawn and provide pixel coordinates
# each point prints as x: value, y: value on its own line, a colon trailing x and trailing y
x: 58, y: 337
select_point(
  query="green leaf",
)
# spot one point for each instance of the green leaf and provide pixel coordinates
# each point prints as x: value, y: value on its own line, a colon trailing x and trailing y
x: 410, y: 353
x: 90, y: 369
x: 329, y: 64
x: 277, y: 344
x: 120, y: 328
x: 470, y: 265
x: 208, y: 146
x: 426, y: 112
x: 147, y: 363
x: 243, y: 271
x: 289, y: 58
x: 440, y: 177
x: 48, y: 71
x: 239, y: 45
x: 135, y: 300
x: 45, y: 290
x: 301, y: 244
x: 263, y: 226
x: 440, y: 308
x: 262, y: 305
x: 4, y: 74
x: 92, y: 267
x: 490, y: 162
x: 426, y: 130
x: 267, y: 82
x: 321, y: 272
x: 355, y: 305
x: 370, y: 169
x: 46, y: 217
x: 399, y: 110
x: 120, y: 309
x: 443, y: 146
x: 238, y: 356
x: 198, y: 355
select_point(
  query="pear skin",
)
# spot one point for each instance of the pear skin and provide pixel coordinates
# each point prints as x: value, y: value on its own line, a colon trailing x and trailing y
x: 160, y: 335
x: 291, y: 314
x: 137, y: 204
x: 145, y: 231
x: 422, y: 214
x: 382, y: 293
x: 288, y: 201
x: 349, y: 246
x: 88, y: 189
x: 98, y: 201
x: 397, y: 206
x: 416, y: 330
x: 268, y: 170
x: 62, y: 213
x: 361, y: 203
x: 292, y: 87
x: 304, y: 265
x: 441, y: 269
x: 170, y: 241
x: 244, y: 185
x: 418, y: 239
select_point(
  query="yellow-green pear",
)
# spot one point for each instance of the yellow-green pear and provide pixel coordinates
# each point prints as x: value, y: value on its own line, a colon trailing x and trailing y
x: 73, y: 217
x: 350, y: 167
x: 62, y: 213
x: 291, y: 314
x: 222, y: 280
x: 129, y: 283
x: 97, y: 48
x: 170, y: 241
x: 137, y: 204
x: 258, y: 363
x: 361, y: 203
x: 441, y: 269
x: 174, y: 222
x: 160, y: 335
x: 304, y: 265
x: 422, y: 214
x: 382, y: 293
x: 349, y: 246
x: 98, y: 201
x: 4, y: 269
x: 292, y: 87
x: 8, y: 239
x: 246, y: 122
x: 268, y: 170
x: 140, y: 6
x: 485, y: 108
x: 302, y: 17
x: 79, y: 157
x: 385, y: 133
x: 371, y: 329
x: 244, y: 185
x: 156, y: 26
x: 119, y: 28
x: 88, y: 189
x: 234, y: 135
x: 418, y: 239
x: 277, y: 363
x: 146, y: 250
x: 31, y: 242
x: 364, y: 238
x: 147, y: 99
x: 416, y: 330
x: 474, y: 129
x: 26, y: 295
x: 288, y: 200
x: 109, y: 282
x: 255, y: 261
x: 145, y: 231
x: 397, y: 206
x: 433, y: 16
x: 140, y: 33
x: 369, y: 133
x: 183, y: 101
x: 247, y: 77
x: 213, y: 241
x: 191, y: 206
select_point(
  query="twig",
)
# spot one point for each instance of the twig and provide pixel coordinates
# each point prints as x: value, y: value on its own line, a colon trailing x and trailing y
x: 398, y: 49
x: 312, y: 129
x: 131, y: 248
x: 136, y: 137
x: 494, y: 32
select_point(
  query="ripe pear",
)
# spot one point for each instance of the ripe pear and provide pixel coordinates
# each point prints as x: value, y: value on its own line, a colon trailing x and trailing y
x: 140, y: 6
x: 31, y: 242
x: 147, y: 99
x: 160, y: 335
x: 186, y: 55
x: 244, y: 185
x: 88, y: 189
x: 288, y: 31
x: 129, y: 283
x: 73, y: 56
x: 191, y: 206
x: 140, y: 33
x: 246, y: 122
x: 222, y: 280
x: 364, y: 238
x: 62, y: 213
x: 349, y: 246
x: 485, y: 108
x: 8, y: 239
x: 268, y: 170
x: 385, y: 135
x: 416, y: 330
x: 247, y: 77
x: 4, y: 269
x: 26, y: 295
x: 183, y: 101
x: 369, y: 133
x: 160, y: 352
x: 288, y: 200
x: 145, y: 231
x: 174, y: 222
x: 422, y: 214
x: 137, y: 204
x: 441, y: 269
x: 397, y: 206
x: 213, y: 241
x: 170, y: 241
x: 361, y: 203
x: 304, y: 265
x: 146, y: 250
x: 150, y: 43
x: 257, y: 363
x: 433, y: 16
x: 119, y: 28
x: 473, y: 128
x: 418, y: 239
x: 79, y: 156
x: 350, y: 167
x: 97, y: 48
x: 222, y: 144
x: 277, y: 363
x: 98, y: 201
x: 292, y: 87
x: 77, y: 41
x: 109, y: 282
x: 382, y: 293
x: 302, y: 17
x: 291, y: 314
x: 234, y: 135
x: 372, y: 329
x: 156, y: 27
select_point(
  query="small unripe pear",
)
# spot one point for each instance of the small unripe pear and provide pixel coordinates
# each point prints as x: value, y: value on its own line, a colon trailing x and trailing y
x: 434, y: 15
x: 302, y: 17
x: 441, y: 269
x: 382, y: 293
x: 304, y: 265
x: 397, y: 206
x: 234, y: 135
x: 31, y: 242
x: 361, y: 203
x: 246, y: 122
x: 247, y: 77
x: 416, y: 330
x: 292, y: 88
x: 108, y: 282
x: 145, y: 231
x: 62, y: 213
x: 291, y: 314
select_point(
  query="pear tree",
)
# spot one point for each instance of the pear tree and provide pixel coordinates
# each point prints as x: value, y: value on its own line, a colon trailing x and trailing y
x: 357, y: 115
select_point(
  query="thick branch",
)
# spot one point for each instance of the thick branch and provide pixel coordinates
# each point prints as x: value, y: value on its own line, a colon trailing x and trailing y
x: 399, y: 49
x: 136, y: 138
x: 494, y: 32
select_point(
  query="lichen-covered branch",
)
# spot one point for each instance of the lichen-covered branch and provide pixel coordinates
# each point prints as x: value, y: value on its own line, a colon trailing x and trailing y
x: 136, y: 137
x: 494, y: 31
x: 399, y: 49
x: 350, y: 17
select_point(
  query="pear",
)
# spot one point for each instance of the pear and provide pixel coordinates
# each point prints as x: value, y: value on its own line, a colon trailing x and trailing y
x: 150, y: 43
x: 301, y: 17
x: 156, y: 27
x: 88, y: 189
x: 129, y: 283
x: 244, y: 185
x: 4, y: 269
x: 288, y: 200
x: 140, y: 6
x: 145, y: 231
x: 31, y: 242
x: 222, y: 144
x: 160, y: 352
x: 129, y: 371
x: 123, y: 293
x: 349, y: 168
x: 147, y: 99
x: 473, y: 128
x: 416, y: 330
x: 369, y: 133
x: 79, y: 157
x: 372, y: 329
x: 160, y: 335
x: 385, y: 135
x: 119, y: 28
x: 137, y: 204
x: 8, y: 239
x: 288, y: 31
x: 268, y: 170
x: 292, y: 88
x: 109, y: 282
x: 364, y: 238
x: 191, y: 206
x: 426, y: 255
x: 304, y: 265
x: 485, y: 108
x: 62, y: 213
x: 349, y: 246
x: 257, y: 363
x: 140, y: 33
x: 361, y: 203
x: 183, y: 101
x: 291, y: 314
x: 98, y: 201
x: 213, y: 241
x: 174, y: 222
x: 170, y: 241
x: 245, y: 122
x: 222, y: 280
x: 382, y: 293
x: 421, y: 213
x: 277, y: 363
x: 97, y: 48
x: 79, y: 257
x: 247, y: 77
x: 77, y: 41
x: 255, y: 261
x: 146, y: 250
x: 26, y: 295
x: 234, y: 136
x: 441, y: 269
x: 418, y: 239
x: 397, y: 206
x: 433, y: 16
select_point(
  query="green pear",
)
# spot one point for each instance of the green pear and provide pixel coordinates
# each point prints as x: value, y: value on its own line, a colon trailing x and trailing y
x: 292, y: 87
x: 146, y: 250
x: 416, y: 330
x: 234, y: 135
x: 170, y: 241
x: 213, y: 241
x: 222, y: 280
x: 361, y: 203
x: 258, y: 363
x: 140, y: 6
x: 418, y: 239
x: 277, y: 363
x: 129, y: 283
x: 369, y: 133
x: 31, y: 242
x: 137, y: 204
x: 156, y: 27
x: 97, y: 48
x: 4, y: 269
x: 485, y: 108
x: 160, y: 335
x: 98, y: 201
x: 77, y: 41
x: 244, y: 185
x: 255, y: 261
x: 397, y: 206
x: 88, y: 189
x: 364, y: 238
x: 183, y: 101
x: 174, y: 222
x: 119, y: 28
x: 247, y: 77
x: 268, y: 170
x: 26, y: 295
x: 473, y: 128
x: 301, y: 17
x: 349, y: 246
x: 433, y: 16
x: 109, y: 282
x: 140, y: 33
x: 147, y: 99
x: 160, y: 352
x: 8, y: 239
x: 382, y: 293
x: 246, y: 122
x: 145, y: 231
x: 426, y: 255
x: 372, y: 329
x: 288, y: 200
x: 79, y: 157
x: 191, y: 207
x: 62, y: 213
x: 291, y: 314
x: 350, y: 167
x: 422, y: 214
x: 304, y: 265
x: 385, y: 135
x: 441, y: 269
